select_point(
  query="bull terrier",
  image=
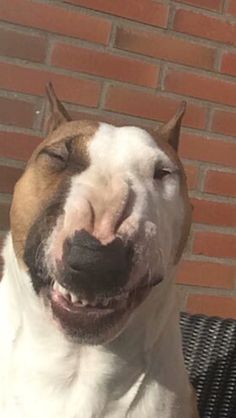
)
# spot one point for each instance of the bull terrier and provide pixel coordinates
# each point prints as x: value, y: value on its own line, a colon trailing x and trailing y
x: 89, y: 320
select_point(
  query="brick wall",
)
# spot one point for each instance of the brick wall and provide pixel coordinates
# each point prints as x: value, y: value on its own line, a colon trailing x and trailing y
x: 132, y: 61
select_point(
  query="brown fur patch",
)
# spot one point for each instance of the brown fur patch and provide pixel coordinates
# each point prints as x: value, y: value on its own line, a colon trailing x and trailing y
x: 43, y: 179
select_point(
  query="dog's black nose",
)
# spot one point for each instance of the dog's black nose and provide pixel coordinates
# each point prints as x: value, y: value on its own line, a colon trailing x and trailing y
x: 93, y: 268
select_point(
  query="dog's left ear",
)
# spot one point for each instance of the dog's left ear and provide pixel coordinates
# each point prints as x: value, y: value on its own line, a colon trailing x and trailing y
x: 170, y: 132
x: 56, y: 114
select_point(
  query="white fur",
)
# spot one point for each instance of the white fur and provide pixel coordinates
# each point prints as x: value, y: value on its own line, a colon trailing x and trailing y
x: 141, y: 372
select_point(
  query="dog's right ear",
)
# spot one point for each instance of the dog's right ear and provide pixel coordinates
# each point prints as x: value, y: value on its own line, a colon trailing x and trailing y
x: 55, y: 113
x: 170, y: 132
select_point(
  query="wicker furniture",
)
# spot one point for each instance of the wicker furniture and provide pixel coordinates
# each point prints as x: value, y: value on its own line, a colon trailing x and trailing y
x: 210, y: 354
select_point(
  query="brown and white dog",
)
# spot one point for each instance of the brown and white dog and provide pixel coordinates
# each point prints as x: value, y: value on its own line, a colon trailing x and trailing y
x: 89, y: 323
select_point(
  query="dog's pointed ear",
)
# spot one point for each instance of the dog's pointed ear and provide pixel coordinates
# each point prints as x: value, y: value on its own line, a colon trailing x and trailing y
x: 170, y: 132
x: 56, y: 114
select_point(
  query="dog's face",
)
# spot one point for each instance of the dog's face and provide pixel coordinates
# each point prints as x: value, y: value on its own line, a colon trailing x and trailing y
x: 98, y: 218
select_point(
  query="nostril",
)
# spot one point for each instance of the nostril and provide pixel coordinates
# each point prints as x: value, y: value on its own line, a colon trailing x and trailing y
x: 87, y: 252
x: 93, y: 265
x: 82, y: 251
x: 85, y: 240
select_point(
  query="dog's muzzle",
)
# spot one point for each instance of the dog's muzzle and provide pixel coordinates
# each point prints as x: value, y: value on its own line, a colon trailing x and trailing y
x: 90, y: 288
x: 90, y: 268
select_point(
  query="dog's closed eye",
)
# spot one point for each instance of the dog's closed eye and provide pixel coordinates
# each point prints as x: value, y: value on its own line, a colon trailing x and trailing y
x: 160, y: 173
x: 58, y: 156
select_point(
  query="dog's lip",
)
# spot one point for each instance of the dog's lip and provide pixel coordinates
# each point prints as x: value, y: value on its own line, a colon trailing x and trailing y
x: 126, y: 299
x: 92, y: 323
x: 77, y: 308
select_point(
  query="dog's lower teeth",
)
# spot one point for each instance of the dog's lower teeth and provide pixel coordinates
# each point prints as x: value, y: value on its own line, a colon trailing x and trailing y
x: 84, y: 302
x: 60, y: 289
x: 73, y: 298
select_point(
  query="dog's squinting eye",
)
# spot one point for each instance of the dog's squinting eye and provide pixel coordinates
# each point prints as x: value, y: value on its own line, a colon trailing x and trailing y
x: 58, y: 157
x: 160, y: 173
x: 55, y: 154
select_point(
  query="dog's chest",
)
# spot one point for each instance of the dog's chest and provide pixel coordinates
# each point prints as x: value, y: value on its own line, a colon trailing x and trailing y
x: 45, y: 386
x: 29, y: 399
x: 65, y: 395
x: 38, y: 384
x: 30, y: 402
x: 46, y: 378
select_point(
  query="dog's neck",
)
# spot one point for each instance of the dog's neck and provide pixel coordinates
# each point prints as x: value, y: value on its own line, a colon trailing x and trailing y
x: 117, y: 371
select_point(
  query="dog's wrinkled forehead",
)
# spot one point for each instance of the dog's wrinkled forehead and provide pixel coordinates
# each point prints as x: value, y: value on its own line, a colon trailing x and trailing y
x: 110, y: 147
x: 73, y: 147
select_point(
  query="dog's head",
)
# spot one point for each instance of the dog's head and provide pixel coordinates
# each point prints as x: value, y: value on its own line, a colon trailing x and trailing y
x: 99, y: 217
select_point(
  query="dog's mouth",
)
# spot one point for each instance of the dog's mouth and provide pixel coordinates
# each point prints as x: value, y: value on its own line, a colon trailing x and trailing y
x: 94, y: 319
x: 89, y: 288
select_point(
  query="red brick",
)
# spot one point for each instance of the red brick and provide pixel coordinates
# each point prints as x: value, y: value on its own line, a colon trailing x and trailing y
x: 224, y: 122
x: 221, y: 183
x: 145, y: 11
x: 212, y: 305
x: 1, y: 259
x: 16, y: 112
x: 17, y: 146
x: 8, y: 178
x: 112, y: 118
x: 201, y: 86
x: 56, y: 19
x: 192, y: 175
x: 32, y: 81
x: 206, y: 274
x: 214, y: 244
x: 165, y: 47
x: 1, y: 244
x: 195, y: 147
x: 204, y: 26
x: 105, y: 64
x: 21, y: 45
x: 229, y: 63
x: 232, y: 7
x: 151, y: 106
x: 214, y: 213
x: 4, y: 218
x: 205, y: 4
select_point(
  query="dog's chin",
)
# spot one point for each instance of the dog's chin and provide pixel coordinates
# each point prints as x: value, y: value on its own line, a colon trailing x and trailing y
x: 89, y: 324
x: 98, y: 320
